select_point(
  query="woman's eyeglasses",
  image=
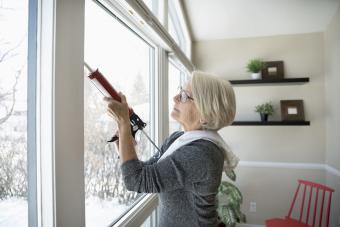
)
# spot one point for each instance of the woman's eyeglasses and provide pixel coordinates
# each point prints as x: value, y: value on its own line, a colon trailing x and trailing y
x: 183, y: 95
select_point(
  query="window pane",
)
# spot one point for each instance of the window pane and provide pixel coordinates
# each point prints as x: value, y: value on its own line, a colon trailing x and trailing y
x: 13, y: 112
x: 149, y: 3
x: 174, y: 26
x: 124, y: 59
x: 154, y: 5
x: 151, y: 220
x: 172, y: 30
x: 174, y: 84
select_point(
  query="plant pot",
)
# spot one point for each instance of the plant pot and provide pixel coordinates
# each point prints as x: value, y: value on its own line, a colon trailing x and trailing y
x: 221, y: 224
x: 256, y: 76
x: 264, y: 117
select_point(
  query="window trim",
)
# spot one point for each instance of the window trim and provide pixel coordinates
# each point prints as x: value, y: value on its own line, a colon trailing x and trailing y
x: 120, y: 19
x: 162, y: 116
x: 155, y: 27
x: 140, y: 212
x: 176, y: 11
x: 32, y: 113
x: 60, y: 148
x: 161, y: 90
x: 178, y: 64
x: 174, y: 18
x: 160, y: 62
x: 62, y: 159
x: 44, y: 114
x: 120, y: 11
x: 141, y: 209
x: 124, y: 216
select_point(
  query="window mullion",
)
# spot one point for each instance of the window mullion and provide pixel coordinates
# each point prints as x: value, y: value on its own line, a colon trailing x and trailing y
x: 45, y: 164
x: 60, y: 97
x: 31, y: 114
x: 69, y: 113
x: 162, y: 117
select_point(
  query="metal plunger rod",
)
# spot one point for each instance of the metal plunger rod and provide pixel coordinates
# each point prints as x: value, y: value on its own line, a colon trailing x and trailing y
x: 150, y: 140
x: 88, y: 67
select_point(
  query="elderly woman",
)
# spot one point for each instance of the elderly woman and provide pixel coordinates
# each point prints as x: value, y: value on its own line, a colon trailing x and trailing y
x: 189, y: 170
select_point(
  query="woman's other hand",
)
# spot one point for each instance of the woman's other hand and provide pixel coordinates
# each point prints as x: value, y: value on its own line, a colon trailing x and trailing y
x: 117, y: 142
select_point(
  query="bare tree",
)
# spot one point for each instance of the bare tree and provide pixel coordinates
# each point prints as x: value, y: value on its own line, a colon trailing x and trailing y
x: 11, y: 52
x: 13, y: 165
x: 4, y: 97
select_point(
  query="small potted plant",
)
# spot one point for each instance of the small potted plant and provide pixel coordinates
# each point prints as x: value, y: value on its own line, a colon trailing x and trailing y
x: 255, y: 66
x: 265, y: 110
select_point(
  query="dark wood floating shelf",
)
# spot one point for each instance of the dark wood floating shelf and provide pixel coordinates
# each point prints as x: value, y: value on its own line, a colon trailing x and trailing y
x: 275, y: 81
x: 269, y: 123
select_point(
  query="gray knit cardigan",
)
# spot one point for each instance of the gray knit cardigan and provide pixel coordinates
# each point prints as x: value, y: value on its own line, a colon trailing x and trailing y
x: 186, y: 182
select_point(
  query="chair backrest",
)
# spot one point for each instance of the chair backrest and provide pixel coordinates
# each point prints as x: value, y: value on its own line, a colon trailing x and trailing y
x: 319, y: 214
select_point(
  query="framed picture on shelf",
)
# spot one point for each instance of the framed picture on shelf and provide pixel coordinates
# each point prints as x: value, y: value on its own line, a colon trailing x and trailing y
x: 292, y: 110
x: 273, y: 70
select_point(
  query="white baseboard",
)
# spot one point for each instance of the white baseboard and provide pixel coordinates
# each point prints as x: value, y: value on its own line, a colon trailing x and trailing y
x: 287, y: 165
x: 332, y: 170
x: 249, y: 225
x: 291, y: 165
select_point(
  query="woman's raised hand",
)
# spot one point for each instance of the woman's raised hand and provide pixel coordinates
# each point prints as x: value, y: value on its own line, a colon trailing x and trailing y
x: 119, y: 111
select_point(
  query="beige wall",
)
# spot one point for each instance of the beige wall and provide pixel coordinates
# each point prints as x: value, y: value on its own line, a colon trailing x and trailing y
x: 332, y: 78
x: 272, y: 190
x: 303, y: 56
x: 333, y: 181
x: 332, y: 82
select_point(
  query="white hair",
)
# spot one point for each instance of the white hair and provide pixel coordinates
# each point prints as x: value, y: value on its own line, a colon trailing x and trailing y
x: 215, y: 100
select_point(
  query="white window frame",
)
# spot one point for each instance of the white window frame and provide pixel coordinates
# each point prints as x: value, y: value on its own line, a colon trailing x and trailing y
x: 177, y: 63
x: 60, y: 148
x: 176, y: 12
x: 182, y: 74
x: 161, y: 81
x: 161, y: 95
x: 160, y: 64
x: 142, y: 14
x: 32, y: 113
x: 140, y: 211
x: 59, y: 85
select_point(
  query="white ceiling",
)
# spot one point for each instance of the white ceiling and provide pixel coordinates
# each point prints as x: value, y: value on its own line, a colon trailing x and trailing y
x: 222, y: 19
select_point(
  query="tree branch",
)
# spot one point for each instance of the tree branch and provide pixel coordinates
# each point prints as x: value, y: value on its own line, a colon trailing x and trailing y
x: 3, y: 56
x: 3, y: 96
x: 10, y: 111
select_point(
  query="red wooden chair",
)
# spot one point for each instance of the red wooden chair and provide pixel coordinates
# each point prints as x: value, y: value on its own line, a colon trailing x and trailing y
x: 306, y: 217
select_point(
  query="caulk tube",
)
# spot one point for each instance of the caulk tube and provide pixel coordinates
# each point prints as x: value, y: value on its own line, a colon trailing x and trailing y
x: 105, y: 87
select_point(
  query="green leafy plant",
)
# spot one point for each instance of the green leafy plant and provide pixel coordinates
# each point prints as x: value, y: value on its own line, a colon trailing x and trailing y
x: 230, y: 200
x: 265, y: 108
x: 255, y: 65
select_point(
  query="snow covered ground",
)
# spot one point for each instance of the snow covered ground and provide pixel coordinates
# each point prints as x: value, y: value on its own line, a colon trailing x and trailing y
x: 102, y: 212
x: 13, y: 212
